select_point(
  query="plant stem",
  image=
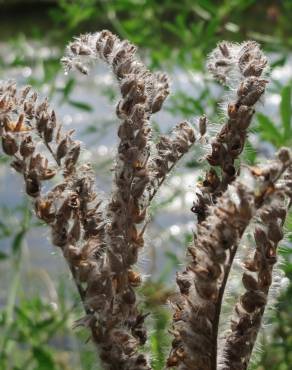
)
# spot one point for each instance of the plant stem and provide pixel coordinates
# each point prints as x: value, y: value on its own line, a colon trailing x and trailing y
x: 219, y: 305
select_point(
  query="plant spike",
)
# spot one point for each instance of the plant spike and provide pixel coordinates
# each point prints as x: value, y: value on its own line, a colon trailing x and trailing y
x: 240, y: 67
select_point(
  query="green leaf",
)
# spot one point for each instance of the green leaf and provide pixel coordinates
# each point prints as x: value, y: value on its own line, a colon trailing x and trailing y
x: 68, y: 88
x: 4, y: 230
x: 3, y: 255
x: 44, y: 359
x: 4, y: 159
x: 17, y: 241
x: 23, y: 318
x: 268, y: 130
x: 285, y: 109
x: 80, y: 105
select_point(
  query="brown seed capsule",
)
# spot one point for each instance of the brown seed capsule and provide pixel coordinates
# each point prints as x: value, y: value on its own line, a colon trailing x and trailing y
x: 172, y: 361
x: 284, y: 155
x: 252, y: 300
x: 203, y: 125
x: 271, y: 254
x: 47, y: 174
x: 33, y: 185
x: 224, y: 49
x: 29, y: 109
x: 275, y: 232
x: 218, y: 152
x: 44, y: 210
x: 27, y: 147
x: 41, y: 108
x: 9, y: 144
x: 24, y: 92
x: 72, y: 156
x: 124, y: 69
x: 183, y: 282
x: 139, y: 216
x: 129, y: 297
x: 229, y: 169
x: 62, y: 149
x: 73, y: 201
x: 48, y: 132
x: 108, y: 47
x: 244, y: 117
x: 72, y: 254
x: 264, y: 278
x: 127, y: 85
x: 59, y: 235
x: 138, y: 187
x: 157, y: 103
x: 260, y: 238
x: 249, y: 282
x: 207, y: 290
x: 235, y: 145
x: 134, y: 278
x: 42, y: 121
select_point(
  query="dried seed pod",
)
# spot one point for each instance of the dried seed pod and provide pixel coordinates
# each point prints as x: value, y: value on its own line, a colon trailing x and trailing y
x: 72, y: 156
x: 48, y: 132
x: 9, y: 144
x: 249, y: 282
x: 45, y: 210
x: 28, y: 108
x: 129, y: 296
x: 72, y: 254
x: 252, y: 300
x: 33, y: 185
x: 203, y: 125
x: 42, y: 121
x: 27, y: 147
x: 62, y: 149
x: 73, y: 201
x: 60, y: 235
x: 183, y: 282
x: 47, y: 174
x: 284, y: 155
x: 134, y: 278
x: 24, y: 92
x: 157, y: 103
x: 275, y: 232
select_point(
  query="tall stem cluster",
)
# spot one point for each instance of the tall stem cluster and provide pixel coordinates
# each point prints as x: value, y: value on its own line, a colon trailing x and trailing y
x: 101, y: 239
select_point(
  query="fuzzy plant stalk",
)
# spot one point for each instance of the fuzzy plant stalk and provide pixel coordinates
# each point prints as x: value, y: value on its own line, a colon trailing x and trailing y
x: 258, y: 276
x: 241, y: 68
x: 100, y: 239
x: 225, y: 207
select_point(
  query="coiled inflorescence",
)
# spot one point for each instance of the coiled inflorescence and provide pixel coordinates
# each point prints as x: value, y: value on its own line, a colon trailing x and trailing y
x: 240, y: 67
x: 136, y: 170
x: 100, y: 240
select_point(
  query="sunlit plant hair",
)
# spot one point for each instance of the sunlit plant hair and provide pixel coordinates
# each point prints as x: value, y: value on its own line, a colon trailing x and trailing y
x: 101, y: 239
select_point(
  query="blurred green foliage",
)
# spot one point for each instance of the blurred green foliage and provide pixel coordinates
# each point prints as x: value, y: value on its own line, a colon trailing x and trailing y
x: 34, y: 335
